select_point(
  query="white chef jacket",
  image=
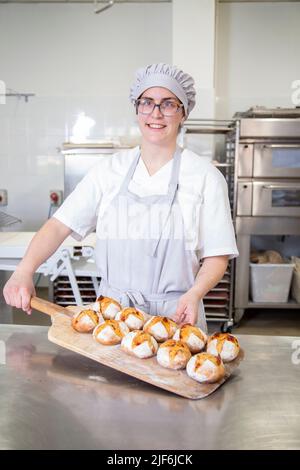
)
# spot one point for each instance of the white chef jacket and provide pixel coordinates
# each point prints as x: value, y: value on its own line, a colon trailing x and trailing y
x: 202, y: 197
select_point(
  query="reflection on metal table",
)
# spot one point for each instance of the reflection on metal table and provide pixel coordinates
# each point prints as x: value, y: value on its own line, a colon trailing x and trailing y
x: 54, y: 399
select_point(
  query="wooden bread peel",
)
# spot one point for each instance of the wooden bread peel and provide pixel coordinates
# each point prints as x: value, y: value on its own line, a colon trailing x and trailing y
x: 147, y: 370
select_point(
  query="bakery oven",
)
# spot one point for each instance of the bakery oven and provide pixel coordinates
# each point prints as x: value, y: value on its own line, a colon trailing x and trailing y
x: 268, y: 167
x: 269, y: 160
x: 276, y: 160
x: 267, y: 188
x: 79, y: 159
x: 268, y: 198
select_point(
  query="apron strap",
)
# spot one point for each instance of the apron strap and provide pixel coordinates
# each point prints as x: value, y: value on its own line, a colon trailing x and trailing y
x: 173, y: 187
x: 126, y: 296
x: 130, y: 173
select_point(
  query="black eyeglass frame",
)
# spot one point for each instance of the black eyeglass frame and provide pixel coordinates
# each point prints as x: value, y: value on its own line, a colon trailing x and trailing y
x: 136, y: 103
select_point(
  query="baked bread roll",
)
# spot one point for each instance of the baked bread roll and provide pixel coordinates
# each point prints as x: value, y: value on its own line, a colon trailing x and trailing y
x: 86, y: 320
x: 107, y: 306
x: 205, y: 368
x: 192, y: 336
x: 173, y: 354
x: 223, y: 344
x: 139, y: 344
x: 110, y: 332
x: 274, y: 257
x: 162, y: 328
x: 269, y: 256
x: 258, y: 257
x: 133, y: 318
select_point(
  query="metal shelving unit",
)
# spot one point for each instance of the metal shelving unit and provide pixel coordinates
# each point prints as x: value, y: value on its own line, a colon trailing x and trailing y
x: 218, y: 303
x: 61, y: 291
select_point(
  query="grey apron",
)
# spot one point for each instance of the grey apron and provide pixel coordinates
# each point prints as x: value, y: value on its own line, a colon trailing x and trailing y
x: 147, y: 273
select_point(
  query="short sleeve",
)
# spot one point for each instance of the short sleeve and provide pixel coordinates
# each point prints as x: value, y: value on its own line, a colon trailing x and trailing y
x: 80, y: 210
x: 217, y: 235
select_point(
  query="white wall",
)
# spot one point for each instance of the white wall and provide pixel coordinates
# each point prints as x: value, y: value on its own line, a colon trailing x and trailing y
x: 194, y: 51
x: 74, y: 61
x: 258, y: 55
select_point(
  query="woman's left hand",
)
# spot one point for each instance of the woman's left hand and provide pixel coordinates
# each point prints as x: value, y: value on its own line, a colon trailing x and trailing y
x: 187, y: 307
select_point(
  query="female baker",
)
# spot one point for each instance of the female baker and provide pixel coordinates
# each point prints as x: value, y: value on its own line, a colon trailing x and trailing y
x: 159, y: 211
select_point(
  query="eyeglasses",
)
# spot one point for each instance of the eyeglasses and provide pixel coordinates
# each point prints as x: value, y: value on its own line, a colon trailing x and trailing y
x: 166, y: 107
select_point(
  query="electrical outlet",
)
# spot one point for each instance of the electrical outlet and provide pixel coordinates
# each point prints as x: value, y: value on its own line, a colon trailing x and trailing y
x: 3, y: 197
x: 56, y: 197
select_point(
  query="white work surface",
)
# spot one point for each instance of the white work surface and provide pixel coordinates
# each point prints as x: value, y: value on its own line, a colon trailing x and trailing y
x: 14, y: 244
x: 72, y: 258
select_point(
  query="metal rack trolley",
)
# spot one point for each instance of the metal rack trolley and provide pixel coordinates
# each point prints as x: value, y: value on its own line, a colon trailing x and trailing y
x: 218, y: 303
x: 7, y: 220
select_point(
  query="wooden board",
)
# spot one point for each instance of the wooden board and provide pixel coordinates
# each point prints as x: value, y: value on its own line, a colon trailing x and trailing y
x: 147, y: 370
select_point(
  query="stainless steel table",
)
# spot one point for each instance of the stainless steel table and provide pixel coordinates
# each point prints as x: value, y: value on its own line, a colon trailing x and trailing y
x: 52, y: 398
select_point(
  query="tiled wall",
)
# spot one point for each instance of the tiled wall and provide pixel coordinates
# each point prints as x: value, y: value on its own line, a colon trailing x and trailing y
x: 74, y: 61
x: 31, y: 136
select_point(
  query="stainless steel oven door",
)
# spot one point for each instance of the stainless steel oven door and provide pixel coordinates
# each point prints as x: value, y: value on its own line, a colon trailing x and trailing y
x: 279, y: 160
x: 244, y: 198
x: 276, y: 198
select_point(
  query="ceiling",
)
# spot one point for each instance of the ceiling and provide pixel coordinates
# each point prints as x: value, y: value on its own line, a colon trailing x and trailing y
x: 85, y: 1
x: 138, y: 1
x: 258, y: 1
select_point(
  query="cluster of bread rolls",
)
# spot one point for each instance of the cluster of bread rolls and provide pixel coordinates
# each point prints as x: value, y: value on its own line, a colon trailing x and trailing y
x: 186, y: 340
x: 143, y: 344
x: 208, y: 366
x: 180, y: 347
x: 108, y: 321
x: 202, y: 356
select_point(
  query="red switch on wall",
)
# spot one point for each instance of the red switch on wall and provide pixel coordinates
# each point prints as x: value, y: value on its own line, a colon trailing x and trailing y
x: 3, y: 197
x: 56, y: 197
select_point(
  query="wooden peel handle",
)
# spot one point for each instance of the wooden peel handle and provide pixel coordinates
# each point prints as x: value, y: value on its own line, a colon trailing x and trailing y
x: 47, y: 307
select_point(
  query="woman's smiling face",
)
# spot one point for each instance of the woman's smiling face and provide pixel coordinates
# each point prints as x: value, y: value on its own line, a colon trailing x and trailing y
x: 155, y: 127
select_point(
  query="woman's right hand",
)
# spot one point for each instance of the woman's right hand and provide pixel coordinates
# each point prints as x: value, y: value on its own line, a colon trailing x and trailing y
x: 19, y: 289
